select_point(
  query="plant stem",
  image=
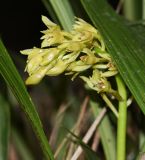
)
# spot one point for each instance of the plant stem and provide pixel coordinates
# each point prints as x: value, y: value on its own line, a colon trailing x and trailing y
x: 121, y: 130
x: 110, y: 105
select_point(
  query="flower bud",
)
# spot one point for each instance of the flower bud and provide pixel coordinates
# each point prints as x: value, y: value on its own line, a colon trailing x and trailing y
x: 96, y: 82
x: 33, y: 64
x: 59, y: 68
x: 36, y: 77
x: 83, y: 37
x: 89, y: 59
x: 109, y: 73
x: 80, y: 25
x: 52, y: 53
x: 52, y: 37
x: 72, y: 46
x: 47, y: 22
x: 32, y: 53
x: 78, y: 66
x: 26, y: 51
x: 69, y: 58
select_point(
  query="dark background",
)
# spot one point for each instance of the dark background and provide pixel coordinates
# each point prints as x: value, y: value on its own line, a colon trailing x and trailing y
x: 20, y: 22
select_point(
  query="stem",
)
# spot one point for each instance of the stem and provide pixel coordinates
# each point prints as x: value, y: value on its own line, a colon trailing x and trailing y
x: 121, y: 130
x: 110, y: 105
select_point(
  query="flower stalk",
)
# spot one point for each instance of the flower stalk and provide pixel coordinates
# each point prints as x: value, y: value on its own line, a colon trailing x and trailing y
x: 122, y: 120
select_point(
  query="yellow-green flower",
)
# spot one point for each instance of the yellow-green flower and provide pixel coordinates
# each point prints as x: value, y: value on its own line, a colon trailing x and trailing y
x: 89, y: 31
x: 34, y: 59
x: 72, y: 46
x: 96, y: 82
x: 51, y: 54
x: 81, y: 25
x: 71, y: 53
x: 37, y: 76
x: 38, y: 57
x: 58, y: 68
x: 53, y: 35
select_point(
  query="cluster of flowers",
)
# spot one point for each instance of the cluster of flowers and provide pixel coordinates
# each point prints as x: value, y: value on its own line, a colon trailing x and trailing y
x: 71, y: 53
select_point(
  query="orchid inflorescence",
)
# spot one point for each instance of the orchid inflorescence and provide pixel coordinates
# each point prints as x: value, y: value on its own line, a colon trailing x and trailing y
x: 72, y: 53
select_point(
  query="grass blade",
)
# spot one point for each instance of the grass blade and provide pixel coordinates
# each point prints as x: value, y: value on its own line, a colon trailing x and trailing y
x: 14, y: 81
x: 50, y: 10
x: 107, y: 138
x: 4, y: 128
x: 89, y: 153
x: 20, y: 146
x: 122, y: 45
x: 63, y: 11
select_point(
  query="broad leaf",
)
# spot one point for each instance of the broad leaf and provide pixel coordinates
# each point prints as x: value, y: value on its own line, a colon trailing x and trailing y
x: 122, y: 44
x: 14, y: 81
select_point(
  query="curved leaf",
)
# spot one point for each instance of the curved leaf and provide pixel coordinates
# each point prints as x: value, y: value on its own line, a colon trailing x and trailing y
x: 14, y: 81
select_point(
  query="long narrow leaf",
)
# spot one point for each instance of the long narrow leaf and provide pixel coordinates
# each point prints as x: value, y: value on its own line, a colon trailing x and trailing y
x: 107, y: 138
x: 4, y: 128
x: 132, y: 9
x: 20, y: 145
x: 50, y: 10
x: 14, y: 81
x: 64, y: 12
x: 122, y: 45
x: 89, y: 153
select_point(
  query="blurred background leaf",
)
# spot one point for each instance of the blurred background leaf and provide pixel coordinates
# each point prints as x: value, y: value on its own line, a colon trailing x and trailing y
x: 4, y: 128
x: 14, y: 81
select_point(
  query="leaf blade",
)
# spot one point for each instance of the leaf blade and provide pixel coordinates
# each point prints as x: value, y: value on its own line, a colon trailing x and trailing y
x: 121, y: 44
x: 4, y: 128
x: 64, y: 13
x: 107, y: 138
x: 14, y: 81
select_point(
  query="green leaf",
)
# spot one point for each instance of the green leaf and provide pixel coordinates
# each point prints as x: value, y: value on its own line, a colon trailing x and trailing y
x: 123, y: 46
x: 139, y: 33
x: 14, y: 81
x: 50, y: 10
x: 4, y: 128
x: 63, y: 11
x: 89, y: 153
x: 132, y: 9
x: 20, y: 145
x: 107, y: 138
